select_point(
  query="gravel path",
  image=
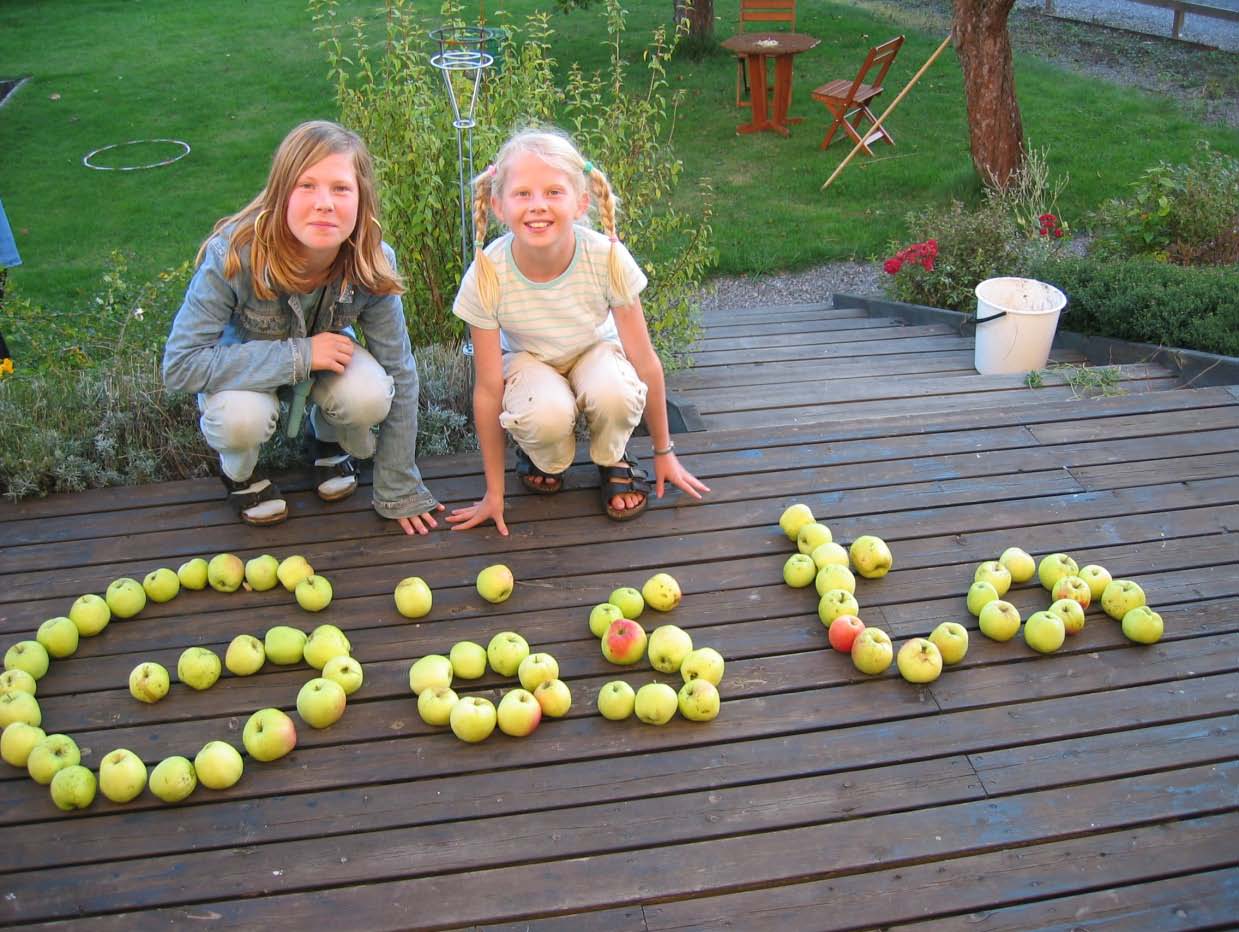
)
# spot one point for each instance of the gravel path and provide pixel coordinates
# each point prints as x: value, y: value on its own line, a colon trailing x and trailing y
x: 808, y: 286
x: 1153, y: 20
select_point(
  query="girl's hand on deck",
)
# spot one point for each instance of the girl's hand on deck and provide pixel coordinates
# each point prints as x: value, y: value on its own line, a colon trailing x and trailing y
x: 420, y: 524
x: 668, y: 469
x: 462, y: 519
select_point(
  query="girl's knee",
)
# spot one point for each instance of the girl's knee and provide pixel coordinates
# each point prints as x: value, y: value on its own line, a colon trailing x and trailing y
x: 239, y: 420
x: 362, y: 403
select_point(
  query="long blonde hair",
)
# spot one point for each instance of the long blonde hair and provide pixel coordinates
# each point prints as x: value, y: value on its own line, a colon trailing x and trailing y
x: 556, y: 150
x: 275, y: 266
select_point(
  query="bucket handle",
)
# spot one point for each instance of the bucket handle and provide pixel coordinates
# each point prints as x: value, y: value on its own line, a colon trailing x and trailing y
x: 973, y: 322
x: 977, y: 321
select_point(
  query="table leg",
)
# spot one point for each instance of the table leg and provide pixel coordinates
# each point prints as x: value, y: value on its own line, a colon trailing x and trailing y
x: 783, y: 93
x: 757, y: 94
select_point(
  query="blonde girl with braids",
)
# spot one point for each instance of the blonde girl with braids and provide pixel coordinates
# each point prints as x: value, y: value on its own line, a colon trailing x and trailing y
x: 555, y: 316
x: 270, y: 317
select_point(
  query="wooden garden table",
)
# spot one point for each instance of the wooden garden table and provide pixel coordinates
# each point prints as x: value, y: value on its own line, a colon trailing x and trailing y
x: 757, y: 47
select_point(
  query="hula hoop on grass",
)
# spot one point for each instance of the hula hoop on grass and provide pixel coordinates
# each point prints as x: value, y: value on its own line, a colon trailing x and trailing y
x: 133, y: 168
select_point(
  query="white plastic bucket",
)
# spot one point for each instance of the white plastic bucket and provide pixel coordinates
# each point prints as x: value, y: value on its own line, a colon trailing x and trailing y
x: 1016, y: 319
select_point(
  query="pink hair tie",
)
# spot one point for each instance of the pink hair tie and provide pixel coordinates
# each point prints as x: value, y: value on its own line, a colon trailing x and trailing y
x: 613, y: 238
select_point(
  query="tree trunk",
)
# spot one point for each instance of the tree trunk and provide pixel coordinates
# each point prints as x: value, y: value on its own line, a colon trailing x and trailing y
x: 984, y: 49
x: 700, y: 16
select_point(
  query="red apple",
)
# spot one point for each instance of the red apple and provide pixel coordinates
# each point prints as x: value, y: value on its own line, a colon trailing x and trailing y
x: 624, y: 642
x: 843, y: 631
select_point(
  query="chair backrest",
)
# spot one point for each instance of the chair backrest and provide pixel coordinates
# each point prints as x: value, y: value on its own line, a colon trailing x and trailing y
x: 763, y: 15
x: 880, y: 57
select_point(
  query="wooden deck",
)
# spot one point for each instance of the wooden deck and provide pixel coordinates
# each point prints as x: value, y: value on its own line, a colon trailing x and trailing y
x: 1094, y: 788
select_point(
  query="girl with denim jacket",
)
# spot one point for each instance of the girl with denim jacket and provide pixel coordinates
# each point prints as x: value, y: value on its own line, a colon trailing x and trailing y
x: 269, y: 315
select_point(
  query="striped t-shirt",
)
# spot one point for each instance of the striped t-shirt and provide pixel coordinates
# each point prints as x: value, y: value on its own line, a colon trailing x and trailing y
x: 554, y: 321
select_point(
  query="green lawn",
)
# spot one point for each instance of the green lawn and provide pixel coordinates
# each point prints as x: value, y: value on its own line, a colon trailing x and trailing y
x: 231, y: 77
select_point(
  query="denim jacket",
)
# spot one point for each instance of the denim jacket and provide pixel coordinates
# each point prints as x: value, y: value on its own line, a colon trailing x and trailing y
x: 226, y: 338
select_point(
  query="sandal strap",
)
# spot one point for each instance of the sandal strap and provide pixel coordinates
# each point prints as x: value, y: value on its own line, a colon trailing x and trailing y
x: 247, y: 494
x: 625, y: 476
x: 342, y: 465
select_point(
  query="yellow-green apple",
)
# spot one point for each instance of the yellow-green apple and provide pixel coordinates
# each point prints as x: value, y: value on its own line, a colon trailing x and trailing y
x: 843, y: 631
x: 1044, y: 632
x: 472, y: 719
x: 668, y: 647
x: 292, y: 570
x: 536, y: 669
x: 468, y: 660
x: 225, y: 573
x: 321, y: 702
x: 17, y: 740
x: 834, y: 576
x: 149, y: 681
x: 73, y: 787
x: 980, y: 594
x: 830, y: 553
x: 198, y: 667
x: 505, y: 652
x: 1019, y: 564
x: 951, y: 639
x: 91, y: 614
x: 629, y: 600
x: 428, y: 672
x: 518, y: 713
x: 218, y: 765
x: 325, y: 642
x: 122, y: 775
x: 245, y: 655
x: 919, y: 661
x: 495, y: 583
x: 994, y: 573
x: 554, y: 697
x: 125, y: 597
x: 872, y: 651
x: 1097, y: 577
x: 1053, y: 567
x: 794, y: 517
x: 261, y: 573
x: 1117, y: 599
x: 624, y: 642
x: 799, y: 570
x: 1072, y: 587
x: 284, y: 644
x: 1143, y: 625
x: 18, y: 706
x: 193, y: 575
x: 161, y: 585
x: 346, y: 671
x: 173, y: 779
x: 413, y: 597
x: 434, y: 704
x: 59, y: 637
x: 601, y: 616
x: 1070, y: 612
x: 661, y: 592
x: 699, y: 701
x: 811, y: 536
x: 53, y: 753
x: 999, y: 620
x: 871, y: 557
x: 704, y: 663
x: 615, y: 700
x: 30, y: 656
x: 269, y: 734
x: 836, y: 602
x: 656, y: 703
x: 313, y: 593
x: 19, y: 680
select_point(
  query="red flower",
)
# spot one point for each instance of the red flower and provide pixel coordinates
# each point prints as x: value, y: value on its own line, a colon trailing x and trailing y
x: 1058, y: 232
x: 892, y: 265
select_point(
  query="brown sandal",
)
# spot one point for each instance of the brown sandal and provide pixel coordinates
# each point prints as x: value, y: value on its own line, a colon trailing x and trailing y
x: 551, y: 482
x: 624, y: 477
x: 256, y: 501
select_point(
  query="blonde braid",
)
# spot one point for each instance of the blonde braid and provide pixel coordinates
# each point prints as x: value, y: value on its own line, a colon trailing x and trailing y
x: 601, y: 189
x: 483, y: 269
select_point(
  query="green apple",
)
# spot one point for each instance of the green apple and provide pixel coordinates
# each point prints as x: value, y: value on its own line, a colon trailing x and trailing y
x: 313, y: 593
x: 321, y: 702
x: 161, y: 585
x: 601, y: 616
x: 830, y: 553
x: 811, y: 536
x: 699, y: 701
x: 428, y: 672
x: 656, y: 703
x: 872, y: 651
x: 125, y: 597
x: 1097, y: 577
x: 981, y: 594
x: 661, y: 592
x: 17, y: 740
x: 19, y: 680
x: 472, y: 719
x: 495, y: 583
x: 919, y: 661
x: 218, y: 765
x: 284, y: 644
x: 951, y: 639
x: 122, y: 775
x: 245, y: 655
x: 536, y: 669
x: 53, y: 753
x: 994, y: 573
x: 1044, y: 632
x: 624, y: 643
x: 871, y: 557
x: 1143, y: 625
x: 615, y: 700
x: 704, y: 663
x: 292, y: 570
x: 225, y: 573
x: 667, y: 648
x: 1070, y: 612
x: 554, y: 697
x: 18, y: 706
x: 325, y: 642
x: 268, y: 735
x: 505, y: 652
x: 149, y: 682
x: 434, y: 704
x: 799, y: 570
x: 198, y: 667
x: 834, y: 576
x: 1117, y: 599
x: 629, y: 600
x: 1019, y: 564
x: 1073, y: 587
x: 173, y: 779
x: 193, y: 575
x: 1053, y: 567
x: 413, y: 597
x: 836, y: 602
x: 999, y: 620
x: 794, y: 517
x: 59, y: 637
x: 468, y: 660
x: 30, y: 656
x: 261, y: 573
x: 518, y: 713
x: 73, y: 787
x: 91, y: 614
x: 346, y: 671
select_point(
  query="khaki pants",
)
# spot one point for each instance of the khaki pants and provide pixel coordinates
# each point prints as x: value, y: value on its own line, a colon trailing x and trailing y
x: 540, y: 405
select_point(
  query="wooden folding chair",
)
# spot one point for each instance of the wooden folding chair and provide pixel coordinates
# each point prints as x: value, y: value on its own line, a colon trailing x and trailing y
x: 849, y: 101
x: 764, y: 14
